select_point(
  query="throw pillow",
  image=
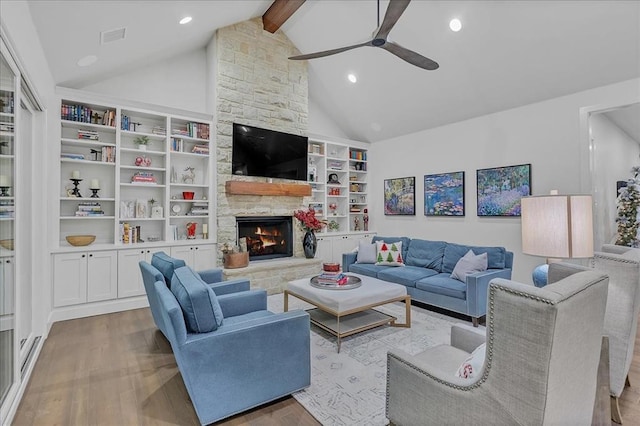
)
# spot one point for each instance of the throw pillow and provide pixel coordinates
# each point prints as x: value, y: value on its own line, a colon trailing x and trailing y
x: 366, y: 252
x: 468, y: 264
x: 389, y: 254
x: 473, y: 366
x: 166, y: 265
x: 199, y: 303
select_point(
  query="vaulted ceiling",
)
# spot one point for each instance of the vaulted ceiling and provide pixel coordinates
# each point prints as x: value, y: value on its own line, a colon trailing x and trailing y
x: 509, y: 53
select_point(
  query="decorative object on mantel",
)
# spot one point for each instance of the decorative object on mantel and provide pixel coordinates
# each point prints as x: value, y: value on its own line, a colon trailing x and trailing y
x: 628, y: 209
x: 309, y: 223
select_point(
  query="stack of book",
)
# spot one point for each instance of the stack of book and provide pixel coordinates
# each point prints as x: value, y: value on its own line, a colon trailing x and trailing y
x: 91, y: 135
x: 108, y: 154
x: 199, y: 209
x: 6, y: 208
x: 87, y: 209
x: 332, y: 278
x: 159, y: 130
x: 145, y: 178
x: 201, y: 149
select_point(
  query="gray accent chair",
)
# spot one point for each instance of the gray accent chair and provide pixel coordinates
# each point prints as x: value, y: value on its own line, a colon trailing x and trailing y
x: 542, y: 355
x: 622, y: 264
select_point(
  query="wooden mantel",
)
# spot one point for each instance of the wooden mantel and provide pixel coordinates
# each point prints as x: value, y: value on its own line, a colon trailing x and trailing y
x: 237, y: 187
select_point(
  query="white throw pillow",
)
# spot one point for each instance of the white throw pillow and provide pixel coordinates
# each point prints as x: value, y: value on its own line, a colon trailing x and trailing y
x: 468, y: 264
x: 389, y: 254
x: 472, y: 367
x: 366, y: 252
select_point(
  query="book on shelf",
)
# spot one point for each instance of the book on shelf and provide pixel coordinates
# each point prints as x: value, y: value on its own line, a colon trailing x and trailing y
x: 144, y: 178
x: 177, y: 144
x: 159, y: 130
x: 71, y: 156
x: 88, y: 135
x: 200, y: 149
x: 109, y: 154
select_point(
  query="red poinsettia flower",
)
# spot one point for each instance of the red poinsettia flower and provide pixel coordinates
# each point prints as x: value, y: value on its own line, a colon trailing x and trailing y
x: 308, y: 220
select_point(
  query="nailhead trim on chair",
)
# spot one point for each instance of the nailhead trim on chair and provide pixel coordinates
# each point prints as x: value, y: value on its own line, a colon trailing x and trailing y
x: 493, y: 288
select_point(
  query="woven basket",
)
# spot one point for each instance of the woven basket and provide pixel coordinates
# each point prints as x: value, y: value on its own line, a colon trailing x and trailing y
x: 236, y: 260
x: 8, y: 244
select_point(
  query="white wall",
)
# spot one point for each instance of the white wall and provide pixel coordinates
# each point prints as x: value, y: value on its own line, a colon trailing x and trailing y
x: 545, y: 134
x: 320, y: 123
x: 178, y: 82
x: 616, y: 152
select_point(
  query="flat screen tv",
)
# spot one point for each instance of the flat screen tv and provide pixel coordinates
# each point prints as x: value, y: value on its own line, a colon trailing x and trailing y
x: 268, y: 153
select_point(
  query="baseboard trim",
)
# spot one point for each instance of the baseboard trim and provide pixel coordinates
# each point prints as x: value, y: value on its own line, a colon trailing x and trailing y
x: 97, y: 308
x: 25, y: 380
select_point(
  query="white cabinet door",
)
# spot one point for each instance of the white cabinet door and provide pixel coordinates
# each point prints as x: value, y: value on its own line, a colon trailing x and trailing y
x: 344, y: 244
x: 102, y: 278
x: 129, y: 276
x: 204, y: 257
x: 324, y: 251
x: 7, y: 286
x: 69, y: 279
x: 185, y: 253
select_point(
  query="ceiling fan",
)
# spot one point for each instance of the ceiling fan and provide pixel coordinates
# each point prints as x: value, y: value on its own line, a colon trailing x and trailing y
x: 380, y: 39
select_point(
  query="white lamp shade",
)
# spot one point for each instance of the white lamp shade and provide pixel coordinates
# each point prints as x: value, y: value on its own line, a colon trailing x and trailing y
x: 557, y: 226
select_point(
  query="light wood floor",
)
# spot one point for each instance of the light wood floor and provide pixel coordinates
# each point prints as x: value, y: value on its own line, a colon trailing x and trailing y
x: 118, y: 369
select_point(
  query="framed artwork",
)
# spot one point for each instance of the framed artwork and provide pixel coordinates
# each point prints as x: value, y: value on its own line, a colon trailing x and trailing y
x: 444, y: 194
x: 400, y: 196
x: 501, y: 188
x: 141, y: 209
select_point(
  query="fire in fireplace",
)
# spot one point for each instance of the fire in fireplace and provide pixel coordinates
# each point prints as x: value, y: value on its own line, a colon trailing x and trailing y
x: 268, y: 237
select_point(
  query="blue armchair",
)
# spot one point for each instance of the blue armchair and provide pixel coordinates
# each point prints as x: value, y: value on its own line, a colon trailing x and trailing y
x: 161, y: 269
x: 233, y: 354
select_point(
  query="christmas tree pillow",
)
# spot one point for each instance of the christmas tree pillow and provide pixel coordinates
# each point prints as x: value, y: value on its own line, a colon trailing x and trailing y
x: 389, y: 254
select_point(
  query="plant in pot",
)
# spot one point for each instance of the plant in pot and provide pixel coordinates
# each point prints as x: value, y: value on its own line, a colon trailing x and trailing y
x: 333, y: 225
x: 142, y: 142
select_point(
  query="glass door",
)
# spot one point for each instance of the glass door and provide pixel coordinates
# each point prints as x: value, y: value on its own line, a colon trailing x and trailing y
x: 8, y: 350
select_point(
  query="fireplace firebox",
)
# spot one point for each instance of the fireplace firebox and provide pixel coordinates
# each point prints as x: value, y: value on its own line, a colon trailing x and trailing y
x: 268, y: 237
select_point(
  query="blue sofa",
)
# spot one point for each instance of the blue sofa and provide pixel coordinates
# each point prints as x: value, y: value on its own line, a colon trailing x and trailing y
x: 427, y: 270
x: 233, y: 354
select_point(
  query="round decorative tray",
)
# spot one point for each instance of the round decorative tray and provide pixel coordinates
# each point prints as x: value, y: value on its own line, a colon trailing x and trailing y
x: 352, y: 282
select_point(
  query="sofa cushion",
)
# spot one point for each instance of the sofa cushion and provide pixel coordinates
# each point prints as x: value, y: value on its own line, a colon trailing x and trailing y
x: 468, y: 264
x: 406, y: 276
x: 424, y: 253
x: 199, y: 303
x: 389, y: 254
x: 366, y: 252
x: 443, y: 284
x: 453, y: 252
x: 368, y: 269
x: 405, y: 242
x: 166, y: 265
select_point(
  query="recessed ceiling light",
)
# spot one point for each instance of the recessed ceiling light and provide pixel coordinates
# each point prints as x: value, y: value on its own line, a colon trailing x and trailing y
x: 455, y: 25
x: 352, y: 78
x: 87, y: 60
x: 185, y: 20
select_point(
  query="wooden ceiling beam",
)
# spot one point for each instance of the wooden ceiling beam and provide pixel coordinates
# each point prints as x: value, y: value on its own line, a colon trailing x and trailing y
x: 278, y: 13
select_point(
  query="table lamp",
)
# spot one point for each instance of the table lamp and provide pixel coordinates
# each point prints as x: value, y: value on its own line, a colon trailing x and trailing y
x: 556, y: 227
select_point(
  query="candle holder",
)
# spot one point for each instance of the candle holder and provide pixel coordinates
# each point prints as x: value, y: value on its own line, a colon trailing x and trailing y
x: 94, y: 192
x: 4, y: 191
x: 76, y: 192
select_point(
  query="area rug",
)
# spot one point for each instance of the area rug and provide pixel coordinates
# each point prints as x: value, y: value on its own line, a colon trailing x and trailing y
x: 348, y: 388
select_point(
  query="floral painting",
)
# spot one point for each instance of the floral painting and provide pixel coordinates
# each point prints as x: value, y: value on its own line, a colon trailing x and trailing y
x: 400, y: 196
x: 500, y: 189
x: 444, y: 194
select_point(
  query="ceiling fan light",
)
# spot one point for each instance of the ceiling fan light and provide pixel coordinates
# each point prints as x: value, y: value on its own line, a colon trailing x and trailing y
x: 352, y: 78
x: 185, y: 20
x: 455, y: 25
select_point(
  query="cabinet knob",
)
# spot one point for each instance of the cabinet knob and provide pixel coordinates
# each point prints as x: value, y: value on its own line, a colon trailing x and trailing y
x: 84, y: 255
x: 141, y: 251
x: 8, y: 261
x: 197, y: 248
x: 91, y: 255
x: 148, y: 251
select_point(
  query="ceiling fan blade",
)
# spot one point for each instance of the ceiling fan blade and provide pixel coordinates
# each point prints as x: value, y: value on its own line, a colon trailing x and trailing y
x: 329, y: 52
x: 391, y: 16
x: 410, y: 56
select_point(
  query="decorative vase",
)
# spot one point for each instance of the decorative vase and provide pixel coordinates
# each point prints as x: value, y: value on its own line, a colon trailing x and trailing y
x: 309, y: 244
